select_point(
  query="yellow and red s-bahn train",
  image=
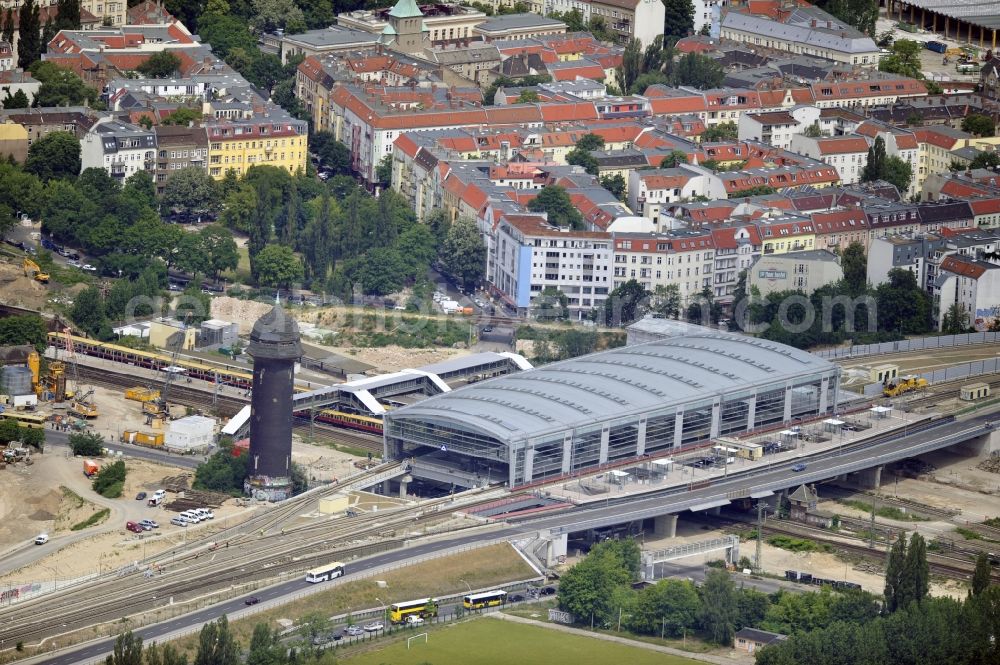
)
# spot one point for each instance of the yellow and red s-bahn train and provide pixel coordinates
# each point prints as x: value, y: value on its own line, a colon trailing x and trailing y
x: 224, y: 374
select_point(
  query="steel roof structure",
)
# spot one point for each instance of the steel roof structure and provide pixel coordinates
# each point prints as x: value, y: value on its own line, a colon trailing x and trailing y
x: 603, y: 386
x: 977, y: 12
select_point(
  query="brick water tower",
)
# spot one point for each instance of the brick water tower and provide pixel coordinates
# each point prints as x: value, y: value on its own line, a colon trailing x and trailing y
x: 274, y: 345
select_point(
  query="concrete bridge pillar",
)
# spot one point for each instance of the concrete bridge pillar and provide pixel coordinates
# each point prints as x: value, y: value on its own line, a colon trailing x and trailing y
x: 981, y: 445
x: 556, y: 548
x: 386, y: 486
x: 665, y: 526
x: 716, y: 511
x: 870, y: 478
x: 404, y: 483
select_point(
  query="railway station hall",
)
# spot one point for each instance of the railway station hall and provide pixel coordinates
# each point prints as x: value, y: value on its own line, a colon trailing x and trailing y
x: 644, y: 399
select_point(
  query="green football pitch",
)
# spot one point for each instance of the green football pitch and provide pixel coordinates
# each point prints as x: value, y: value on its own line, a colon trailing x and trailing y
x: 494, y: 642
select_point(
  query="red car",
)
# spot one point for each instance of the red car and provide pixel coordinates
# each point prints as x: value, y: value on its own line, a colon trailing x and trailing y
x: 134, y: 527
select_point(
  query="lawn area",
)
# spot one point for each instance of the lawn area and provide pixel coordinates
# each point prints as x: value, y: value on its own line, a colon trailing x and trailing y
x: 489, y: 641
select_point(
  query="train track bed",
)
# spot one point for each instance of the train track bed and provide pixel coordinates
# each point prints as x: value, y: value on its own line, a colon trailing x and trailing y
x: 945, y: 390
x: 256, y: 552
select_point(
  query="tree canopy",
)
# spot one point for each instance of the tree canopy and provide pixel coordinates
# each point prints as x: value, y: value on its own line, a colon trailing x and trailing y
x: 162, y: 64
x: 555, y: 201
x: 55, y: 155
x: 463, y: 253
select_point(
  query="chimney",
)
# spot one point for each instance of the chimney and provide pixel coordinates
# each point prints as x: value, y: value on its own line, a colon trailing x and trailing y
x: 813, y: 23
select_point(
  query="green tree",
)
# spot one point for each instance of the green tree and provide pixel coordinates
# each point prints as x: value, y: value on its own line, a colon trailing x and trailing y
x: 955, y: 321
x: 854, y: 262
x: 719, y: 607
x: 555, y: 201
x: 240, y: 210
x: 265, y: 649
x: 528, y: 96
x: 68, y: 15
x: 916, y: 578
x: 190, y: 190
x: 860, y: 14
x: 724, y: 131
x: 875, y: 165
x: 981, y: 575
x: 903, y: 307
x: 580, y: 157
x: 698, y: 71
x: 217, y: 645
x: 168, y: 655
x: 110, y: 480
x: 625, y: 304
x: 33, y: 437
x: 674, y: 159
x: 904, y: 59
x: 183, y: 116
x: 127, y: 651
x: 379, y: 271
x: 61, y: 87
x: 383, y: 172
x: 333, y: 154
x: 272, y: 14
x: 88, y: 311
x: 590, y: 588
x: 703, y: 308
x: 278, y: 266
x: 757, y: 190
x: 18, y: 100
x: 222, y: 471
x: 55, y: 155
x: 7, y: 28
x: 895, y: 572
x: 615, y: 184
x: 9, y: 431
x: 590, y: 141
x: 24, y: 329
x: 220, y: 249
x: 29, y: 45
x: 978, y: 124
x: 631, y: 66
x: 463, y: 253
x: 668, y: 607
x: 679, y: 19
x: 985, y: 160
x: 666, y: 300
x: 160, y: 65
x: 898, y: 172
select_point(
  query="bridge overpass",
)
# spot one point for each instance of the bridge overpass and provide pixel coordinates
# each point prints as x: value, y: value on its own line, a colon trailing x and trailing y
x: 666, y: 505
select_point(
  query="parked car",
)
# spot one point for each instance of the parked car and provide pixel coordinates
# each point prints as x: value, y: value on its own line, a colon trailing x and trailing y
x: 374, y: 626
x: 179, y: 521
x: 152, y: 524
x: 414, y: 620
x: 140, y: 496
x: 548, y: 591
x: 799, y: 467
x: 41, y: 539
x: 73, y: 264
x: 134, y: 527
x: 354, y: 631
x: 515, y: 598
x: 204, y: 513
x: 252, y: 600
x: 89, y: 268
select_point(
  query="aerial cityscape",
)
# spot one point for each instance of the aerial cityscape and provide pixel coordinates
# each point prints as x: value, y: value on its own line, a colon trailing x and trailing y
x: 377, y: 332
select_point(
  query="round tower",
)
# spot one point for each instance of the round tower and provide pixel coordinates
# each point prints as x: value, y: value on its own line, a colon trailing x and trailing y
x: 274, y: 345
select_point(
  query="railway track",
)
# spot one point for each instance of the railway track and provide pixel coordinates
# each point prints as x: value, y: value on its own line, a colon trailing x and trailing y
x: 251, y: 557
x: 944, y: 390
x: 227, y: 406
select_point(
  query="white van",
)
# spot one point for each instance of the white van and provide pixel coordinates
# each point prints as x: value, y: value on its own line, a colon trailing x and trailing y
x: 41, y: 539
x: 159, y: 494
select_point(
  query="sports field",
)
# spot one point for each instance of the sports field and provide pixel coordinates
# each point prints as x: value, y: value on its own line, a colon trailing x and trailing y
x: 494, y: 642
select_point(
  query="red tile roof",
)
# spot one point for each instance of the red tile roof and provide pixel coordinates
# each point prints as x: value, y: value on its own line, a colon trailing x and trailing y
x: 960, y: 265
x: 842, y: 145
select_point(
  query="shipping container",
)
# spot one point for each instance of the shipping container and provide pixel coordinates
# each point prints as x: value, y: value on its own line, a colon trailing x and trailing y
x: 142, y: 394
x: 937, y: 47
x: 90, y: 467
x: 142, y: 438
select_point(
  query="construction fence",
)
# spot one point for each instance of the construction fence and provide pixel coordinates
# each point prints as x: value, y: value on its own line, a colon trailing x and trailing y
x: 907, y: 345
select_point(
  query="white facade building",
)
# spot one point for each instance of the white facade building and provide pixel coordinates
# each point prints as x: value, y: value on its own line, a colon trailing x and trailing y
x: 847, y: 154
x: 119, y: 148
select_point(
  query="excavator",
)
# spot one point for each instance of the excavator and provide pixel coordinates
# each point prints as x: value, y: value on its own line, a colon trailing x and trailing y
x: 31, y: 268
x: 905, y: 385
x: 83, y: 407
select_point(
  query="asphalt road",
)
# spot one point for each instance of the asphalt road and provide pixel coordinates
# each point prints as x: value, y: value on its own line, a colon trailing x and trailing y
x: 61, y: 439
x: 610, y: 513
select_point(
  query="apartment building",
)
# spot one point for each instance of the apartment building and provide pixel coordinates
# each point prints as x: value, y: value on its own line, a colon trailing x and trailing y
x: 795, y: 271
x: 650, y: 190
x: 236, y: 145
x: 178, y: 148
x: 683, y: 257
x: 847, y: 154
x: 532, y: 255
x: 974, y: 285
x: 120, y: 148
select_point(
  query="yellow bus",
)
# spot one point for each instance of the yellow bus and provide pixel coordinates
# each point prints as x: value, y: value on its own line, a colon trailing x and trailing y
x: 477, y: 601
x: 32, y: 420
x: 422, y: 608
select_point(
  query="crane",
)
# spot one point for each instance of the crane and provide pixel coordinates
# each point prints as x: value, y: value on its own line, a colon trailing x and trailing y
x: 32, y: 269
x: 158, y: 407
x: 82, y: 406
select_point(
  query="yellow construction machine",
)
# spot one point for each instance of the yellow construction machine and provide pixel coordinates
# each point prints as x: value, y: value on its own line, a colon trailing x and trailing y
x: 31, y: 269
x: 83, y: 407
x: 904, y: 385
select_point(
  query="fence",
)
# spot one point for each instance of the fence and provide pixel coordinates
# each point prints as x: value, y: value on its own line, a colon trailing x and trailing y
x: 907, y: 345
x: 953, y: 373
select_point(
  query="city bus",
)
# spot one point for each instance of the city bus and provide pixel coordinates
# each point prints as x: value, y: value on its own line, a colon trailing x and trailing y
x: 477, y: 601
x: 324, y: 573
x: 32, y: 420
x: 423, y: 607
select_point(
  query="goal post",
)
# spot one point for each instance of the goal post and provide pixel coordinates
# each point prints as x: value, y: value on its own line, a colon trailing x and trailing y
x: 415, y: 637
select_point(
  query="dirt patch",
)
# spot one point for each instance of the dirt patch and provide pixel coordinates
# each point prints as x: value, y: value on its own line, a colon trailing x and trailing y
x: 242, y: 312
x: 18, y: 290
